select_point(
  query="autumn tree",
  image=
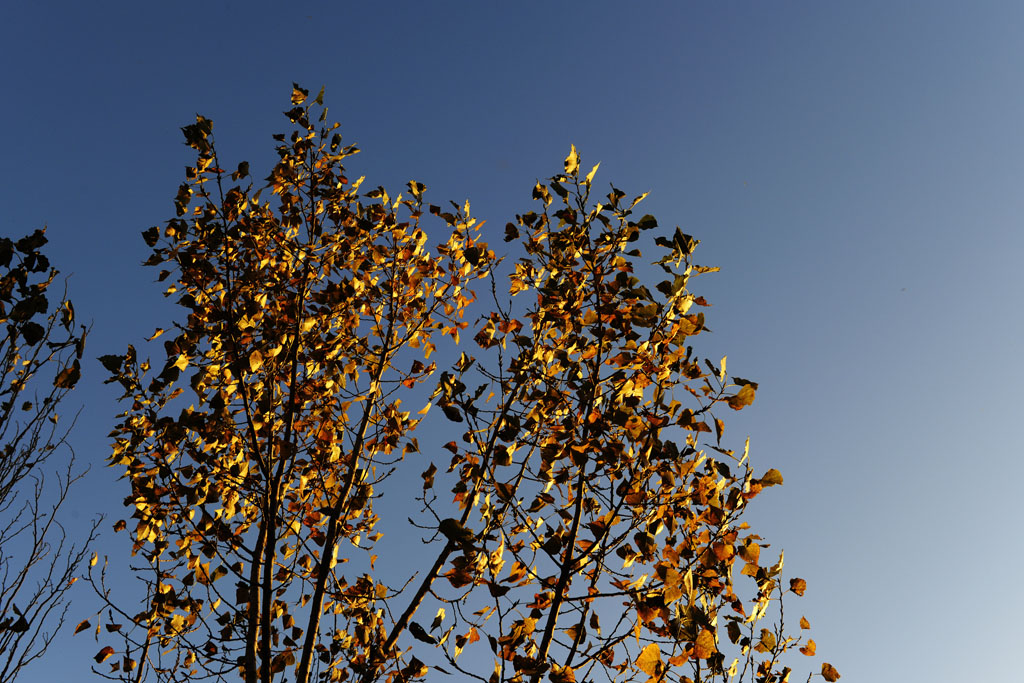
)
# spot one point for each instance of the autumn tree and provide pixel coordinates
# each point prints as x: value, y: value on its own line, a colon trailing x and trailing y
x: 579, y: 517
x: 40, y: 352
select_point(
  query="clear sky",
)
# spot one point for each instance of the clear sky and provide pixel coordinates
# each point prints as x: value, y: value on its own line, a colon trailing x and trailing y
x: 855, y: 168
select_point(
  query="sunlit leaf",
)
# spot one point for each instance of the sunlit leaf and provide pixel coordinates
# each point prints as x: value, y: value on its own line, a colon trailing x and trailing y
x: 649, y: 660
x: 572, y: 162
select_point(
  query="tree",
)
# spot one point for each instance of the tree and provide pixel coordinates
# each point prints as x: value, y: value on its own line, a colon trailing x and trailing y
x: 40, y: 351
x: 587, y: 530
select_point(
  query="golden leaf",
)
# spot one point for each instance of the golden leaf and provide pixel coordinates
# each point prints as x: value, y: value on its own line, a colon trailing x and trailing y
x: 649, y: 660
x: 572, y: 162
x: 704, y: 645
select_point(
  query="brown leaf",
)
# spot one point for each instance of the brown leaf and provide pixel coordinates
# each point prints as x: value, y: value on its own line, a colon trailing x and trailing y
x: 798, y: 586
x: 809, y: 648
x: 68, y: 377
x: 82, y: 625
x: 103, y: 654
x: 829, y: 673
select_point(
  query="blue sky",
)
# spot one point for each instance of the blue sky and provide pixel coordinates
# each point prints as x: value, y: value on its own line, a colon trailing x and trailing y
x: 854, y: 169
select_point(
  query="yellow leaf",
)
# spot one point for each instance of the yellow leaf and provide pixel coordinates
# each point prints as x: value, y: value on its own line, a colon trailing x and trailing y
x: 182, y: 362
x: 649, y: 660
x: 156, y: 334
x: 95, y: 558
x: 744, y: 397
x: 572, y: 162
x: 810, y: 648
x: 255, y: 361
x: 590, y: 176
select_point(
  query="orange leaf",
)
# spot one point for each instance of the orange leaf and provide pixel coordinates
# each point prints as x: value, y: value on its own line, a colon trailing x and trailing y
x: 798, y: 586
x: 804, y: 623
x: 810, y: 648
x: 704, y: 646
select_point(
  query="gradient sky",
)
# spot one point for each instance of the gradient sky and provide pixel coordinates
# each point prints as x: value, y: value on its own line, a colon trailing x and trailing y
x: 854, y: 168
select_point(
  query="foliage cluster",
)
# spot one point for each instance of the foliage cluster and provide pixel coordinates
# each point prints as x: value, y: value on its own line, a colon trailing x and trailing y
x: 580, y: 519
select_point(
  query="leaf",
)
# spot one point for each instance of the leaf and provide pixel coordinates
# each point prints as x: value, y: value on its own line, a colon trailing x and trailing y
x: 103, y: 654
x: 82, y: 625
x: 798, y: 586
x: 20, y: 626
x: 704, y: 645
x: 32, y: 333
x: 151, y: 236
x: 804, y: 624
x: 111, y: 362
x: 428, y: 476
x: 767, y: 641
x: 744, y: 397
x: 829, y: 673
x: 420, y: 633
x: 68, y: 377
x: 299, y: 95
x: 810, y: 648
x: 255, y: 361
x: 572, y: 162
x: 647, y: 222
x: 649, y: 660
x: 771, y: 478
x: 451, y: 412
x: 590, y: 176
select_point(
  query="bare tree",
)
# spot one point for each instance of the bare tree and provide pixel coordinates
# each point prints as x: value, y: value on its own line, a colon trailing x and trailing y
x: 40, y: 353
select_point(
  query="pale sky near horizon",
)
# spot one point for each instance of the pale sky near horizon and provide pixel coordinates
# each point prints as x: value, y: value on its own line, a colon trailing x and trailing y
x: 855, y: 169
